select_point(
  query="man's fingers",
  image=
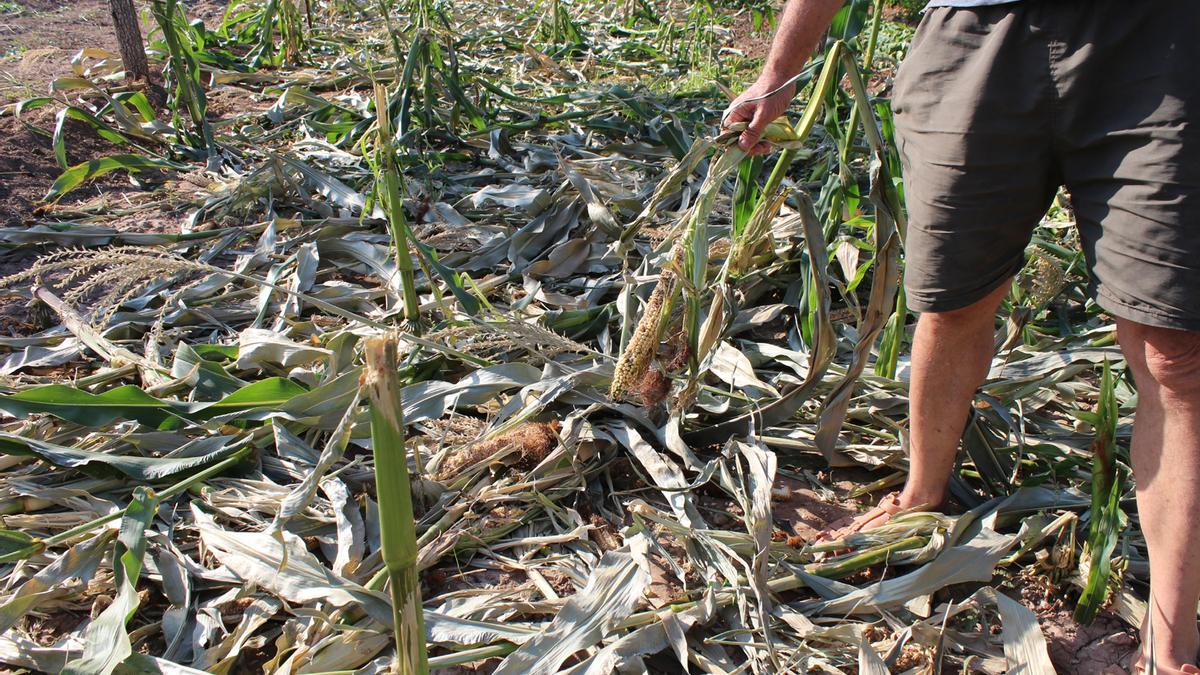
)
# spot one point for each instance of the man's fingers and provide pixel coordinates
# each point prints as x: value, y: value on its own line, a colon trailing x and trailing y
x: 753, y: 132
x: 748, y: 140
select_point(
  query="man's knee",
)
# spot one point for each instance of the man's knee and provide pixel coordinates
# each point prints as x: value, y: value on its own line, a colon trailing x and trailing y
x: 1171, y: 358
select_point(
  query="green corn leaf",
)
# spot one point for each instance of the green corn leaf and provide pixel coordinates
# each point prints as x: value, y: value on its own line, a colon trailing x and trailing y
x: 71, y: 112
x: 746, y: 193
x: 80, y: 173
x: 139, y: 101
x: 212, y: 382
x: 89, y: 410
x: 106, y: 639
x: 15, y: 545
x: 271, y: 392
x: 31, y: 104
x: 131, y: 403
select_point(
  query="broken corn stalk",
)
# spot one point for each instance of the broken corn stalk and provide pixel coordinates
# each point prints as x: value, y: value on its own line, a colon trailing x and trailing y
x: 397, y: 525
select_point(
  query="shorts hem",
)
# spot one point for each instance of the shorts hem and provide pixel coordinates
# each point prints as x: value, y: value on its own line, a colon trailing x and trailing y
x: 1146, y: 316
x: 930, y: 304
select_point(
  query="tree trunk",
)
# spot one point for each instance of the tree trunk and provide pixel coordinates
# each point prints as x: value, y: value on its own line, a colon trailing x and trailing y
x: 129, y: 36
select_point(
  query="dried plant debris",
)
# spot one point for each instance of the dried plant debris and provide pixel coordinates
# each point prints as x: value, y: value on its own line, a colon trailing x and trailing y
x: 620, y: 345
x: 521, y: 449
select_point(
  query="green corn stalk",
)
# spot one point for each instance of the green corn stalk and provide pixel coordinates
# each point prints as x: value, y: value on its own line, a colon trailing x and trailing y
x: 825, y: 81
x: 1106, y: 515
x: 388, y: 175
x: 695, y: 250
x: 560, y: 32
x: 868, y: 58
x: 285, y: 15
x: 185, y: 70
x: 291, y: 31
x: 430, y: 70
x: 422, y: 12
x: 698, y: 42
x: 892, y: 341
x: 397, y: 524
x: 889, y: 221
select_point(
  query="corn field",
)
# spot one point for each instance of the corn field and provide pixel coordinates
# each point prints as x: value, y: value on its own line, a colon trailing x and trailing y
x: 482, y: 348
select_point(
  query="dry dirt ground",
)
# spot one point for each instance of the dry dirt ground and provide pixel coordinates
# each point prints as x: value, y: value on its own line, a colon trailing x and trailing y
x: 37, y: 42
x: 38, y: 39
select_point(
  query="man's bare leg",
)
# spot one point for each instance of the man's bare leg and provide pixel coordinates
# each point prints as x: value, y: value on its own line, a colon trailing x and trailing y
x: 1166, y: 466
x: 950, y: 358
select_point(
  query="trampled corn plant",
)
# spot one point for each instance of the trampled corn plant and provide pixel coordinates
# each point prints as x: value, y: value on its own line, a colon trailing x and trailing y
x: 690, y: 39
x: 431, y: 79
x: 549, y: 451
x: 270, y: 31
x: 558, y: 32
x: 102, y: 279
x: 282, y: 17
x: 633, y: 11
x: 188, y: 92
x: 387, y: 176
x: 383, y: 160
x: 886, y: 230
x: 688, y: 268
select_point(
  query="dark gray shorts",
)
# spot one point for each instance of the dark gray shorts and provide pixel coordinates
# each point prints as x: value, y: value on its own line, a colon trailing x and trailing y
x: 998, y: 106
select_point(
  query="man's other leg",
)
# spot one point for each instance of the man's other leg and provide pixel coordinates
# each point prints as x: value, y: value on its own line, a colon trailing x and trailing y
x: 973, y: 115
x: 950, y: 358
x: 1166, y: 465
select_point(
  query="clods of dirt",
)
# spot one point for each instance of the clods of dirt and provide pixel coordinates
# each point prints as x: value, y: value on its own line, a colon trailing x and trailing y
x: 1105, y: 647
x: 805, y: 509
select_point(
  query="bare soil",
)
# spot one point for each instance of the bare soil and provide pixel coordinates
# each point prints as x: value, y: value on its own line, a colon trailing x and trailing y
x: 805, y: 512
x: 752, y: 41
x: 1105, y: 647
x: 36, y: 46
x: 28, y: 167
x: 38, y: 42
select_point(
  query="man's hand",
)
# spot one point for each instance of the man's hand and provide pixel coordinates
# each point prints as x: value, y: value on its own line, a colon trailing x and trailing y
x: 757, y: 112
x: 799, y: 31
